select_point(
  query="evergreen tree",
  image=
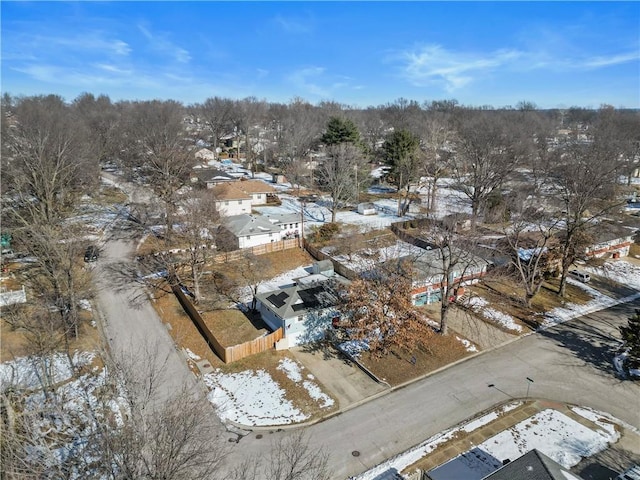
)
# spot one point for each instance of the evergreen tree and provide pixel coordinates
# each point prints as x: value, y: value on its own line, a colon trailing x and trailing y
x: 401, y: 151
x: 631, y: 336
x: 341, y: 130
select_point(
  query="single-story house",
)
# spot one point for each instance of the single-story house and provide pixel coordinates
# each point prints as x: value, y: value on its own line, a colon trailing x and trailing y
x: 231, y: 201
x: 367, y: 208
x: 304, y: 311
x: 429, y: 274
x: 246, y: 230
x: 211, y: 177
x: 533, y: 465
x: 610, y: 240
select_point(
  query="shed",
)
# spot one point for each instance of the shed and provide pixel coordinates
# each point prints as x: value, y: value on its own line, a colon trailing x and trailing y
x: 324, y: 267
x: 367, y: 208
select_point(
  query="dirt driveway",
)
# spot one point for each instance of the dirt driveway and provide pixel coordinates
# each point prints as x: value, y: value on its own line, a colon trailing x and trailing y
x: 343, y: 380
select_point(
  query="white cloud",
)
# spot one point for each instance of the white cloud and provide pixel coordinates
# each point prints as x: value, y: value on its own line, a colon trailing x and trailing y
x: 433, y: 64
x: 305, y: 79
x: 293, y: 25
x: 160, y: 43
x: 607, y: 61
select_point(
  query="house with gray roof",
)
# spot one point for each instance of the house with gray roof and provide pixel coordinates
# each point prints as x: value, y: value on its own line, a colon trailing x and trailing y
x: 428, y: 271
x: 304, y: 310
x: 248, y: 230
x: 533, y: 465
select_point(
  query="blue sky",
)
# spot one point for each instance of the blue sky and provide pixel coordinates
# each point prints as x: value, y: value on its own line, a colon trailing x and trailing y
x: 555, y: 54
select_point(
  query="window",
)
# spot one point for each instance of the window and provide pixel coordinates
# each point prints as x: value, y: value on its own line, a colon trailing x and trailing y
x: 300, y: 318
x: 226, y: 203
x: 239, y: 202
x: 270, y: 234
x: 259, y: 195
x: 248, y: 237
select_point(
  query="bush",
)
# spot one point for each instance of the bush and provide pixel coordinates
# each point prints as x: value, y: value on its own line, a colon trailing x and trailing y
x: 326, y: 232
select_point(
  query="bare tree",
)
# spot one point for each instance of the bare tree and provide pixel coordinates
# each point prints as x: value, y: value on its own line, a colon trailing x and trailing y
x: 436, y: 142
x: 338, y: 173
x: 47, y: 161
x: 197, y: 235
x: 586, y: 184
x: 217, y: 115
x: 250, y: 113
x: 488, y: 149
x: 451, y: 260
x: 532, y: 245
x: 158, y: 153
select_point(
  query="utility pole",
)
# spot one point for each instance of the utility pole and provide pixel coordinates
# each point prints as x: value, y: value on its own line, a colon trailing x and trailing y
x: 302, y: 202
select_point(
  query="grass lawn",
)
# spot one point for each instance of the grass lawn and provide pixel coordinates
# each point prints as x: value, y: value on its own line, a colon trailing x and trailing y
x: 506, y: 297
x: 397, y: 367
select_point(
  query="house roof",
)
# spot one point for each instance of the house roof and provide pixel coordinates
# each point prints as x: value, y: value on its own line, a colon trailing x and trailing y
x: 282, y: 218
x: 429, y: 264
x: 255, y: 186
x: 212, y: 175
x: 228, y: 191
x: 298, y: 300
x: 246, y: 224
x: 533, y: 465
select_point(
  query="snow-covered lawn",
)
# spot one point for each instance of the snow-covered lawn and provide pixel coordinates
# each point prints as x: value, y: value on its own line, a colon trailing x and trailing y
x: 479, y: 306
x: 553, y: 433
x: 369, y: 258
x: 619, y: 271
x: 254, y: 398
x: 34, y: 372
x: 251, y: 398
x: 293, y: 370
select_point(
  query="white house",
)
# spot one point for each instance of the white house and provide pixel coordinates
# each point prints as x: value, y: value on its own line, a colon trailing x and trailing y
x: 259, y: 191
x: 231, y: 201
x: 304, y: 311
x: 245, y: 231
x: 288, y: 222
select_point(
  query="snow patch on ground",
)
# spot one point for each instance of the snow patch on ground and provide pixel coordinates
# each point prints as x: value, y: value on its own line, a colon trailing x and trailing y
x: 599, y: 301
x: 35, y: 372
x: 192, y: 355
x: 479, y: 305
x: 293, y: 370
x: 469, y: 347
x: 251, y: 398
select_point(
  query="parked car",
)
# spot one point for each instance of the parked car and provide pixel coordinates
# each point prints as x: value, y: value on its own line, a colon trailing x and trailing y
x: 91, y: 254
x: 582, y: 276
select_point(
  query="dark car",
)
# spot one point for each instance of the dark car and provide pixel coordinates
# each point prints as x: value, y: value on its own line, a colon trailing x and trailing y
x: 91, y: 254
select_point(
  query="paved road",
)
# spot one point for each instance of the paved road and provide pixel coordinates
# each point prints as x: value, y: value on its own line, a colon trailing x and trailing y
x: 135, y: 332
x: 568, y: 363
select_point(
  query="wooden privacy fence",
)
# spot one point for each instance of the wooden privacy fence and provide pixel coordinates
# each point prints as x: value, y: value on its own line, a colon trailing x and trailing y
x: 257, y: 250
x: 226, y: 354
x: 337, y: 266
x: 252, y: 347
x: 237, y: 254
